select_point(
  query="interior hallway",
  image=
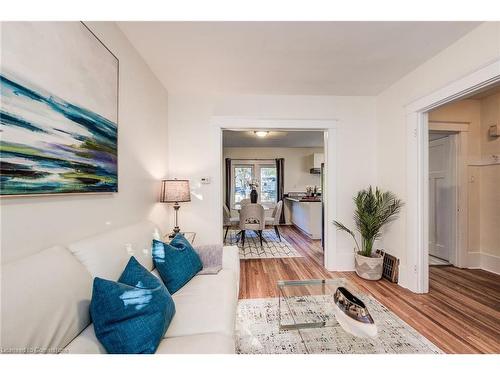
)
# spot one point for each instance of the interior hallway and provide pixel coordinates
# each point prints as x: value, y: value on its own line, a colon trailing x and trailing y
x: 460, y: 314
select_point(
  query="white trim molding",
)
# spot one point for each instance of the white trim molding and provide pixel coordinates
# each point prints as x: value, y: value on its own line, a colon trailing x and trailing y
x: 445, y: 126
x: 475, y: 81
x: 334, y: 261
x: 484, y: 261
x: 416, y: 271
x: 490, y: 262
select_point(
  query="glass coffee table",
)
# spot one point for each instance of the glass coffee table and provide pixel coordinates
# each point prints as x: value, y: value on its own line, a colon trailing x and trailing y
x: 309, y: 303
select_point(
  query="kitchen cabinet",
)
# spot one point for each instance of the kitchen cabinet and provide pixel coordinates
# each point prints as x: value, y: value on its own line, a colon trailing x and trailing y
x: 307, y: 217
x: 315, y: 161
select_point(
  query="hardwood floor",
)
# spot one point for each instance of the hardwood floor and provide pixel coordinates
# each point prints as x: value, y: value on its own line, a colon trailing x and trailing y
x: 460, y: 314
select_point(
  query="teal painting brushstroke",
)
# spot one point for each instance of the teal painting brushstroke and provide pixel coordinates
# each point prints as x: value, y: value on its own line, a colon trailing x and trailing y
x: 67, y: 148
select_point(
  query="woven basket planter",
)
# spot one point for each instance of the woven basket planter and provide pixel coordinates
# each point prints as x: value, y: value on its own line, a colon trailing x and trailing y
x: 369, y: 268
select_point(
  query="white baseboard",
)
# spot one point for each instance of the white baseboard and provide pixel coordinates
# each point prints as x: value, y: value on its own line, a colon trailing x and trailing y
x: 490, y: 263
x: 484, y: 261
x: 345, y: 262
x: 312, y: 236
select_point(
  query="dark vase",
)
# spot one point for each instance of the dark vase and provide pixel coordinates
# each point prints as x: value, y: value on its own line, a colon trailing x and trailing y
x: 253, y: 196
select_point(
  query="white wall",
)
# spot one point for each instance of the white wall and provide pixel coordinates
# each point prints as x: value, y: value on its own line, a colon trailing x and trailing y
x: 475, y: 50
x: 192, y: 149
x: 33, y: 223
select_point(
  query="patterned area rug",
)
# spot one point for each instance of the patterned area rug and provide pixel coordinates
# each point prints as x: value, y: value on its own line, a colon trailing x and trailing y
x: 257, y: 331
x: 271, y: 246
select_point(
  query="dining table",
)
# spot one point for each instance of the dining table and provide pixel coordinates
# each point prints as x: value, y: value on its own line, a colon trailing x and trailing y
x: 237, y: 207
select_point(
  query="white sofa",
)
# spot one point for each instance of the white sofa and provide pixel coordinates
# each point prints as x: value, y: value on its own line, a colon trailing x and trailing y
x: 46, y: 297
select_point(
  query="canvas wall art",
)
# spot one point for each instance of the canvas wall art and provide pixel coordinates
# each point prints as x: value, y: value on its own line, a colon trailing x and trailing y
x: 59, y: 110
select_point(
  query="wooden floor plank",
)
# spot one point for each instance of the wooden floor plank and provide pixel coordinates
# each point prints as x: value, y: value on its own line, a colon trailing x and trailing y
x: 460, y: 314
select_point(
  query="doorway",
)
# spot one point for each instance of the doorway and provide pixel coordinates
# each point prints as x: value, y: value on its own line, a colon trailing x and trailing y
x: 332, y: 260
x: 416, y: 278
x: 279, y: 172
x: 443, y: 186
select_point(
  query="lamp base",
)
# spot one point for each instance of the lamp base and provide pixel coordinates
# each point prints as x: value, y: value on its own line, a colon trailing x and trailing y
x: 176, y: 227
x: 174, y: 232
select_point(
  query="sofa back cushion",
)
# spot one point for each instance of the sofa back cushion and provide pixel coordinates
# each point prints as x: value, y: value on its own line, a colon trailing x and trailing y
x: 106, y: 255
x: 45, y: 301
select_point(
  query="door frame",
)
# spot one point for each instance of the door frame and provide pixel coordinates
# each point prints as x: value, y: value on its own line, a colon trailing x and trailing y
x: 416, y: 277
x: 333, y: 260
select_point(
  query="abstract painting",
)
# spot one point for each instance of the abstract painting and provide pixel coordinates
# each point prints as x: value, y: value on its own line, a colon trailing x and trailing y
x: 59, y: 110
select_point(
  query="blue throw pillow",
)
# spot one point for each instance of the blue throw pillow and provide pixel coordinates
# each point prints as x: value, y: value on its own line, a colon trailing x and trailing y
x: 132, y: 315
x: 176, y: 262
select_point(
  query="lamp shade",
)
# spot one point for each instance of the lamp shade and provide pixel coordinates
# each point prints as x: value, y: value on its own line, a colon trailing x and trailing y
x: 175, y: 191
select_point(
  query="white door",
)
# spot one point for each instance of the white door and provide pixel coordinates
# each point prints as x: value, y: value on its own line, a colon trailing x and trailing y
x: 442, y: 206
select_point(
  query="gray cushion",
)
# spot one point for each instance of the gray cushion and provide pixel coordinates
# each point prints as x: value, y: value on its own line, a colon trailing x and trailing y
x: 211, y: 257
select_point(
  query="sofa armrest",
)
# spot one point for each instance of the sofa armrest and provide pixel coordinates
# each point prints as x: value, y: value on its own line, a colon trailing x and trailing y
x: 211, y: 257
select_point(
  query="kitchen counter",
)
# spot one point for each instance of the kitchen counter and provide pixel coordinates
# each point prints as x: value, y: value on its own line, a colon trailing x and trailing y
x: 306, y: 215
x: 304, y: 200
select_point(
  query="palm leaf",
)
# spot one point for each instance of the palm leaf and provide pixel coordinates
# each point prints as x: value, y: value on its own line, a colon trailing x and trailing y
x: 342, y: 227
x: 374, y: 209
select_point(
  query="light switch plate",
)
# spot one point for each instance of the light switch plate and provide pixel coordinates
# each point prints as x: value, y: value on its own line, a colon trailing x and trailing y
x: 205, y: 180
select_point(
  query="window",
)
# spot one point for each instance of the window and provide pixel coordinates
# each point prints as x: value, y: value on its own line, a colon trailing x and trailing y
x: 263, y: 171
x: 242, y: 176
x: 268, y: 186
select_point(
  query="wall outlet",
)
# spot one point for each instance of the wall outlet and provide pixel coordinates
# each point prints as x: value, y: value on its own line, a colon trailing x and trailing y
x: 205, y: 180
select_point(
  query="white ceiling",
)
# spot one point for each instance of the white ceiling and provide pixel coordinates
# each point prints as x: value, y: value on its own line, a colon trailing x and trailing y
x: 273, y: 139
x: 308, y: 58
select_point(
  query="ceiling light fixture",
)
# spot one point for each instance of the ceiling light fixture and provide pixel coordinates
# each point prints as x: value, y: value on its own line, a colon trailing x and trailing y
x: 261, y: 134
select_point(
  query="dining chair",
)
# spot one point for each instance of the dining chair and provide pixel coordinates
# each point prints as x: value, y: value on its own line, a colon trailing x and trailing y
x: 252, y: 218
x: 275, y: 218
x: 228, y: 220
x: 245, y: 201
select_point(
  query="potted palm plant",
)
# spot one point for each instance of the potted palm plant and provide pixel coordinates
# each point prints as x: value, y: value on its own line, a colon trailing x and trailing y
x: 374, y: 209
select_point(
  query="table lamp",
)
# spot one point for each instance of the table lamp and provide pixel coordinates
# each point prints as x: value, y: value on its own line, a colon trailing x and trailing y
x: 175, y: 191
